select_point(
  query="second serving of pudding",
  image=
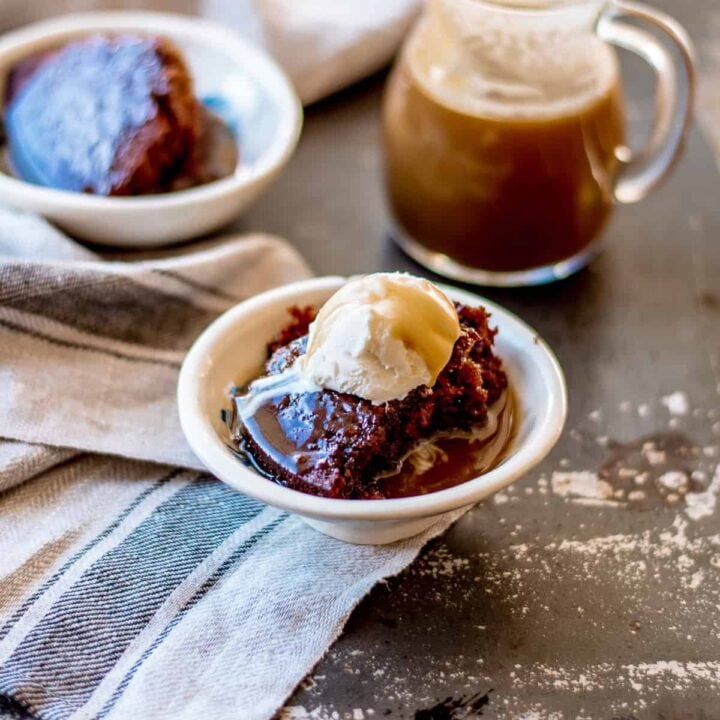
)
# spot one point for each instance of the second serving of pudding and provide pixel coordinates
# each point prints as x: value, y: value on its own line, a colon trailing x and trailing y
x: 113, y: 115
x: 388, y: 390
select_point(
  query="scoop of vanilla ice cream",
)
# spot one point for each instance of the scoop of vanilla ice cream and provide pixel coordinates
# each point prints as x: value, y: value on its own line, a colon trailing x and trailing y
x: 381, y: 336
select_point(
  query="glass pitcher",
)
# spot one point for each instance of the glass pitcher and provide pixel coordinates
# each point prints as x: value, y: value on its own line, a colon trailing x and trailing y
x: 504, y: 132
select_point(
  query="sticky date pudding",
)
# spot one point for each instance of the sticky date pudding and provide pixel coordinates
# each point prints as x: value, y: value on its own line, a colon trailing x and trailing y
x: 112, y: 115
x: 334, y: 443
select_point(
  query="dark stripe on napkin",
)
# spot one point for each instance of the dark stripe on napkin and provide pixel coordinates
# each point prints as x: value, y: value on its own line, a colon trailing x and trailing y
x: 61, y: 661
x: 207, y: 586
x: 84, y: 550
x: 196, y: 285
x: 104, y: 304
x: 88, y: 348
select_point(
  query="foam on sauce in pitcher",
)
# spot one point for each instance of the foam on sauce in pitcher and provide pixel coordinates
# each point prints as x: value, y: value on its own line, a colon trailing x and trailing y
x: 493, y: 64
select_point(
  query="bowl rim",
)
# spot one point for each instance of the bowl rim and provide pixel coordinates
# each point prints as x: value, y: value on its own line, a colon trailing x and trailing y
x: 256, y: 64
x: 213, y: 453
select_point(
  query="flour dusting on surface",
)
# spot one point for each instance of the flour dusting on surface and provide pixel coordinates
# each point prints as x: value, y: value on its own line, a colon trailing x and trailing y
x: 702, y: 504
x: 583, y: 483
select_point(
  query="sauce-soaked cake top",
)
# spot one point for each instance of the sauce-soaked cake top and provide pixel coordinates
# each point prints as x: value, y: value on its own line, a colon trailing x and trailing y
x: 109, y: 115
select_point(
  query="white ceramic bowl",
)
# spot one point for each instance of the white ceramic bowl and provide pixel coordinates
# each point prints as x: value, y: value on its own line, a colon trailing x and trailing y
x: 233, y: 348
x: 255, y: 95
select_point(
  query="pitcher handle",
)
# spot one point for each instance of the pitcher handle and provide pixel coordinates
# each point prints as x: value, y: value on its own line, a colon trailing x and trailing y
x: 674, y: 92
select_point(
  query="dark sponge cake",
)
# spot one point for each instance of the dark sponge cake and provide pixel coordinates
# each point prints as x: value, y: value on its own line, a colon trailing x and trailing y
x: 335, y: 444
x: 109, y: 115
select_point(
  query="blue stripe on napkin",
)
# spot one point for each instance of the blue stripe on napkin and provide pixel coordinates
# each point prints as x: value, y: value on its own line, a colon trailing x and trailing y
x: 206, y: 587
x: 57, y: 575
x: 58, y: 665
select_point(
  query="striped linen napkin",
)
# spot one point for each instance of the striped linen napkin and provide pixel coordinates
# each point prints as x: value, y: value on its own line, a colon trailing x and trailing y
x: 132, y: 583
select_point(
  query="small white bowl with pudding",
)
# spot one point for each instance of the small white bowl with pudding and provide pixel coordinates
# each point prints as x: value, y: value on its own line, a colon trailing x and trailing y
x: 232, y: 350
x: 243, y: 87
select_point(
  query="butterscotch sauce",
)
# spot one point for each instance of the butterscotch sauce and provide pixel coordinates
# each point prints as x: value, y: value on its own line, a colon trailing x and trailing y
x: 218, y: 153
x: 501, y: 158
x: 441, y: 462
x: 290, y: 441
x: 446, y: 461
